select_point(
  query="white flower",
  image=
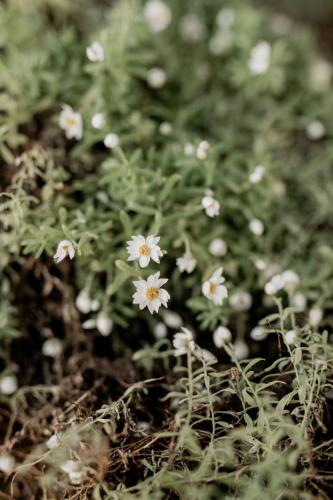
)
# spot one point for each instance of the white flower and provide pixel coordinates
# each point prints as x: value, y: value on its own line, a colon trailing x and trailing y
x: 257, y: 174
x: 52, y: 348
x: 70, y: 122
x: 258, y: 333
x: 74, y: 471
x: 279, y: 188
x: 53, y: 442
x: 290, y: 279
x: 158, y: 15
x: 260, y: 264
x: 165, y: 128
x: 156, y: 78
x: 218, y: 247
x: 186, y: 263
x: 95, y: 52
x: 143, y: 249
x: 65, y: 247
x: 8, y: 385
x: 298, y: 301
x: 315, y: 315
x: 315, y: 130
x: 225, y: 18
x: 221, y: 336
x: 111, y: 140
x: 95, y: 305
x: 104, y: 324
x: 274, y: 285
x: 213, y: 288
x: 160, y: 330
x: 189, y: 149
x: 149, y: 293
x: 83, y: 302
x: 321, y: 74
x: 202, y: 150
x: 192, y: 28
x: 98, y: 121
x: 260, y: 58
x: 210, y: 205
x: 89, y: 324
x: 7, y: 463
x: 241, y: 301
x: 241, y: 349
x: 183, y: 342
x: 256, y: 227
x: 290, y: 337
x: 172, y: 319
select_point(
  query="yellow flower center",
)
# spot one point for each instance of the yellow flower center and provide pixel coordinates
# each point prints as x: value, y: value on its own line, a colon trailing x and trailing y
x: 71, y: 122
x: 212, y: 288
x: 152, y: 293
x: 144, y: 250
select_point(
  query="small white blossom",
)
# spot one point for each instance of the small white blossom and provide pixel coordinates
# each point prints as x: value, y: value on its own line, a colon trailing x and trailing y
x: 315, y: 315
x: 186, y: 263
x: 241, y: 349
x: 257, y: 174
x: 70, y: 122
x: 315, y: 130
x: 290, y: 337
x: 160, y: 330
x: 65, y: 247
x: 210, y: 205
x: 321, y: 74
x: 298, y: 301
x: 172, y: 319
x: 214, y: 289
x: 274, y: 285
x: 158, y: 15
x: 8, y: 385
x: 53, y: 442
x: 183, y: 342
x: 260, y: 58
x: 192, y: 28
x: 290, y: 280
x: 218, y: 247
x: 189, y: 149
x: 95, y: 305
x: 104, y: 324
x: 89, y: 324
x: 98, y: 121
x: 220, y: 42
x: 225, y: 18
x: 165, y: 128
x: 260, y: 264
x: 83, y: 302
x: 95, y: 52
x: 279, y: 188
x: 256, y: 227
x: 143, y: 249
x: 149, y: 293
x: 240, y: 301
x: 156, y: 78
x: 52, y: 348
x: 258, y: 333
x: 202, y: 150
x: 7, y: 463
x: 74, y: 470
x: 221, y: 336
x: 111, y: 140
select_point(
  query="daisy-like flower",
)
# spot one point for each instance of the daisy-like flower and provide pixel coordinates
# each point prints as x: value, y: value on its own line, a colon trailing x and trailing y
x: 221, y: 336
x: 260, y: 58
x: 156, y: 78
x: 257, y: 174
x: 95, y: 52
x: 70, y: 122
x: 149, y: 293
x: 183, y: 342
x: 158, y: 15
x: 65, y: 248
x: 210, y: 205
x: 98, y: 121
x: 186, y: 263
x: 143, y: 249
x: 214, y: 289
x: 111, y: 140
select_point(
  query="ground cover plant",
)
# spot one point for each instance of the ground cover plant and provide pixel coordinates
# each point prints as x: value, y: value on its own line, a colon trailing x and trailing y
x: 166, y: 252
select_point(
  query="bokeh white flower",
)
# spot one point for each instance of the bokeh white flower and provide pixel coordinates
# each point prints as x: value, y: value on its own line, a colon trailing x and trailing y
x: 240, y: 300
x: 7, y: 463
x: 65, y: 247
x: 186, y: 263
x: 192, y: 29
x: 71, y: 122
x: 257, y: 175
x: 290, y: 337
x: 221, y: 336
x: 241, y: 349
x: 156, y: 78
x: 258, y: 333
x: 183, y: 342
x: 160, y: 330
x: 172, y: 319
x: 256, y: 227
x: 210, y: 205
x: 52, y: 347
x: 98, y: 121
x: 202, y: 150
x: 218, y: 247
x: 158, y: 15
x: 8, y: 385
x: 259, y: 60
x: 95, y: 52
x: 214, y: 289
x: 104, y: 323
x: 315, y: 315
x: 315, y: 130
x: 111, y: 140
